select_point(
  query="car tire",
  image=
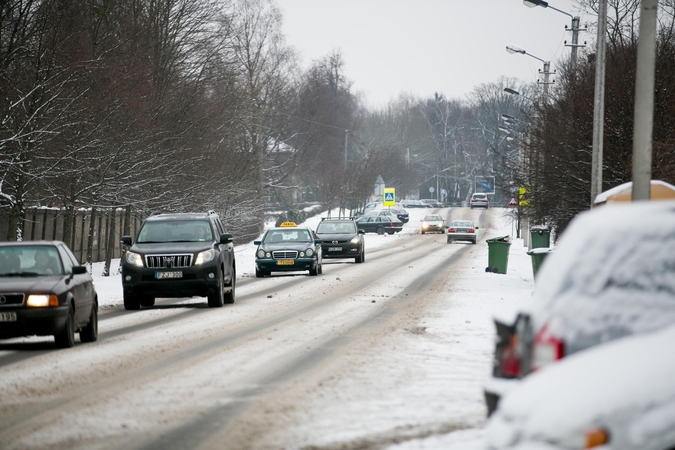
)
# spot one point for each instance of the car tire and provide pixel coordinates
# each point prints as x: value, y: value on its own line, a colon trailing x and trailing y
x: 314, y: 271
x: 66, y: 337
x: 131, y: 303
x: 90, y: 332
x: 422, y: 232
x: 147, y: 301
x: 229, y: 297
x: 473, y: 242
x: 260, y: 273
x: 215, y: 298
x: 380, y: 231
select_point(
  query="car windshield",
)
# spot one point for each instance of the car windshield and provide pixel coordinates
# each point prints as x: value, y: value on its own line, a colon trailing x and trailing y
x: 175, y: 231
x: 31, y: 260
x: 461, y: 223
x: 433, y: 219
x: 287, y: 236
x: 336, y: 228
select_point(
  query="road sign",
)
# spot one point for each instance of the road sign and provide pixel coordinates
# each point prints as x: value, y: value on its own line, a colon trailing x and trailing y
x: 524, y: 196
x: 389, y: 197
x: 512, y: 203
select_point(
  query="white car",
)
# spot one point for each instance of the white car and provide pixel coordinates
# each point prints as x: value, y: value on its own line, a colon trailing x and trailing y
x: 433, y: 223
x: 615, y: 396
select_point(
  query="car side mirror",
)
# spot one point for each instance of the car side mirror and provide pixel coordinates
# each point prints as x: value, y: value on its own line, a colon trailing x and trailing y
x: 257, y: 242
x: 226, y: 238
x: 362, y: 231
x: 126, y: 240
x: 79, y: 270
x: 476, y: 228
x: 318, y: 241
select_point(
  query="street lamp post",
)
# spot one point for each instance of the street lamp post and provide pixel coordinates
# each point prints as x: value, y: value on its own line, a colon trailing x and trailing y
x: 547, y: 66
x: 575, y: 27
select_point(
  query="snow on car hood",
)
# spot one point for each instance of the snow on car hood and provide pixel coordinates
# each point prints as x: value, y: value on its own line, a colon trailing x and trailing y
x: 611, y: 275
x: 625, y: 386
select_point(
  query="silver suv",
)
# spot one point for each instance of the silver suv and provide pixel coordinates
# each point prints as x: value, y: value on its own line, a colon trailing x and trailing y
x: 479, y: 201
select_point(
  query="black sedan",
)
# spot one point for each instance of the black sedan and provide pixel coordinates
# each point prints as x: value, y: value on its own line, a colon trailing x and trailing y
x: 44, y: 291
x: 379, y: 224
x: 288, y: 248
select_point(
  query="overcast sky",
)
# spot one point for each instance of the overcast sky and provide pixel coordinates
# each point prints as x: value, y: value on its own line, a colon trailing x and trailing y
x: 427, y: 46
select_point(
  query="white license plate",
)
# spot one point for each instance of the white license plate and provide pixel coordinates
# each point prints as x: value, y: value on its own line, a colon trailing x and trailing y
x: 7, y: 317
x: 334, y: 249
x: 165, y: 275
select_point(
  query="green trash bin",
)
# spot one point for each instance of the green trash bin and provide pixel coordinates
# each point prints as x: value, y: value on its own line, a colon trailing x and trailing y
x: 538, y: 256
x: 540, y: 237
x: 498, y: 254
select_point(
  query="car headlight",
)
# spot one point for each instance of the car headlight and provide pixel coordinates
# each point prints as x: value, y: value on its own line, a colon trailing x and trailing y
x: 309, y: 252
x: 42, y: 301
x: 261, y: 253
x: 134, y: 259
x: 205, y: 256
x: 355, y: 240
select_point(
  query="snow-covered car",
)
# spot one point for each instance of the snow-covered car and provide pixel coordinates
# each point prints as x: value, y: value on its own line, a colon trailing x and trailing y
x: 611, y: 275
x: 433, y: 223
x: 461, y: 230
x: 619, y: 395
x: 45, y: 291
x: 479, y: 200
x: 401, y: 213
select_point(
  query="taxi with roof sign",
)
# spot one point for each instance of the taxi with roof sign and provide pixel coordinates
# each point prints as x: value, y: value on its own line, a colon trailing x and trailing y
x: 288, y: 248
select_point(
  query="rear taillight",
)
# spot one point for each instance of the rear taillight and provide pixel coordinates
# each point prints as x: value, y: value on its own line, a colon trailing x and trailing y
x: 510, y: 366
x: 471, y: 231
x: 547, y: 348
x: 451, y: 230
x: 473, y: 200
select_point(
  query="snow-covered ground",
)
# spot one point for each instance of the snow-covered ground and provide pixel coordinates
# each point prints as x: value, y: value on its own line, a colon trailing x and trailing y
x: 453, y: 358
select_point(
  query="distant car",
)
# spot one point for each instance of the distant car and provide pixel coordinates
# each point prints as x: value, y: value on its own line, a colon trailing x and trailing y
x: 618, y: 395
x: 412, y: 204
x: 179, y: 255
x: 379, y: 224
x: 431, y: 203
x: 288, y: 248
x: 433, y: 223
x: 340, y: 238
x: 479, y: 201
x: 45, y: 291
x: 609, y: 276
x: 461, y: 230
x: 401, y: 213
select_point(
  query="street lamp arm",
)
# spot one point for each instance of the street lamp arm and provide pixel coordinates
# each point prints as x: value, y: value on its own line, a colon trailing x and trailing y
x: 514, y: 49
x: 543, y: 4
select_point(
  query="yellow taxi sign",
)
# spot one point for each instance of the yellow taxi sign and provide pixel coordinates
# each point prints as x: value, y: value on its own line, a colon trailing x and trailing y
x: 288, y: 224
x: 389, y: 197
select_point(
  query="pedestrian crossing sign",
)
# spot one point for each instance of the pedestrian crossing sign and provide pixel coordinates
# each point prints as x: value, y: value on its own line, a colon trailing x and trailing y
x: 389, y: 197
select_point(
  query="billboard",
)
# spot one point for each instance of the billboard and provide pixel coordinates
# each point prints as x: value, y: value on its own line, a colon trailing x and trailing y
x: 485, y: 185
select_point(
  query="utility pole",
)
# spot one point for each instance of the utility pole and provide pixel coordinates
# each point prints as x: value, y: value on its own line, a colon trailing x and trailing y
x: 644, y: 102
x: 346, y: 146
x: 575, y: 38
x: 599, y: 104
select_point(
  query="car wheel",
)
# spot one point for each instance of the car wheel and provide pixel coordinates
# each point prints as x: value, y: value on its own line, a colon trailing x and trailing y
x: 422, y: 231
x: 473, y: 242
x: 147, y: 301
x: 314, y: 271
x: 320, y: 267
x: 380, y: 231
x: 90, y: 332
x: 215, y: 298
x: 66, y: 337
x: 449, y: 241
x: 259, y: 273
x: 131, y: 303
x: 229, y: 297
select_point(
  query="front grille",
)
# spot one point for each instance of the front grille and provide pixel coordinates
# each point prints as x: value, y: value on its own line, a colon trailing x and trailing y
x: 284, y: 254
x: 168, y: 261
x: 12, y: 299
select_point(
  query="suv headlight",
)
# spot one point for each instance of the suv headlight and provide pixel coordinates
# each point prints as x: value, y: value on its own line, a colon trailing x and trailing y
x: 205, y: 256
x: 309, y: 252
x: 134, y: 259
x: 355, y: 240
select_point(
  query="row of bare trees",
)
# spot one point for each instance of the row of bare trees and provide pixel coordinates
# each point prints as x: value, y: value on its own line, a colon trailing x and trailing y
x: 188, y: 105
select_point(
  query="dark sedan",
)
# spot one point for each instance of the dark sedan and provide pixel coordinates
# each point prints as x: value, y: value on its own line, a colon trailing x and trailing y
x: 45, y: 291
x: 288, y: 248
x: 380, y: 224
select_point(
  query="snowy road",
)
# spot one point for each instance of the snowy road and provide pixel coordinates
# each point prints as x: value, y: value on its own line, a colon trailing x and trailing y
x: 363, y: 356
